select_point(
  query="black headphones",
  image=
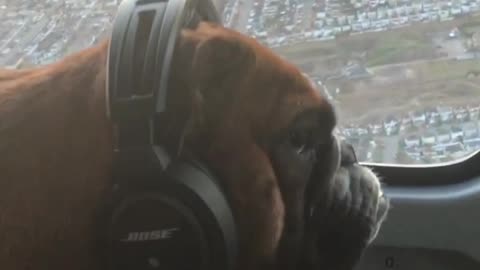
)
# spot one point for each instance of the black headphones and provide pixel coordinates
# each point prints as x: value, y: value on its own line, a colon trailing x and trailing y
x: 167, y: 213
x: 164, y: 213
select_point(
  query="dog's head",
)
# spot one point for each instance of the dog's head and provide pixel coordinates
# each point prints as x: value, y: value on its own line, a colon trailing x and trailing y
x: 263, y: 129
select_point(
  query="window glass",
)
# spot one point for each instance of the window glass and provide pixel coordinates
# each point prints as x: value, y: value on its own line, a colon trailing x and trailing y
x: 404, y: 75
x: 42, y: 31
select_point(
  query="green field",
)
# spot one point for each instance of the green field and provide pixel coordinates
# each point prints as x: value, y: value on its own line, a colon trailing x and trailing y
x: 439, y: 82
x: 471, y: 26
x: 381, y: 49
x: 397, y: 49
x: 447, y: 69
x: 393, y: 46
x: 307, y: 50
x: 469, y: 30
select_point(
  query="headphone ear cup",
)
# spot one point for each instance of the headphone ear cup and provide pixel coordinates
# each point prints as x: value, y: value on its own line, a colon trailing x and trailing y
x: 103, y: 214
x: 156, y: 229
x: 212, y: 207
x: 178, y: 218
x: 129, y: 173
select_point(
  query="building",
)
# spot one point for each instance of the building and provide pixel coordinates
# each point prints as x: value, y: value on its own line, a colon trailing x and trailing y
x: 446, y: 113
x: 428, y: 139
x: 455, y: 151
x: 412, y: 141
x: 461, y: 114
x: 391, y: 125
x: 456, y: 133
x: 419, y: 118
x: 470, y: 130
x: 443, y: 135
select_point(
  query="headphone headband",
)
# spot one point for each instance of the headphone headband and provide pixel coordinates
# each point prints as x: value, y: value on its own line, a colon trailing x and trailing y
x: 139, y: 58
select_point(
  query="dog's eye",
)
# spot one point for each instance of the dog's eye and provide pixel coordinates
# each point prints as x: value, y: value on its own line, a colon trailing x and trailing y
x: 301, y: 141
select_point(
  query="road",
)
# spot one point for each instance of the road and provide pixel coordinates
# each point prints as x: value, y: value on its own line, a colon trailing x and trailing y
x: 243, y: 15
x: 453, y: 48
x: 78, y: 42
x: 390, y: 148
x: 31, y: 35
x: 13, y: 35
x: 402, y: 64
x: 307, y: 14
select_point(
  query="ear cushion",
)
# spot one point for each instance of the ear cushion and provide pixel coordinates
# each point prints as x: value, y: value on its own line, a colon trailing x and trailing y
x: 217, y: 213
x: 168, y: 216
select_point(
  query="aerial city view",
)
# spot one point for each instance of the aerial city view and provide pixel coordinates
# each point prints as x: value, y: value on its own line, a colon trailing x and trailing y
x: 404, y: 74
x: 39, y: 32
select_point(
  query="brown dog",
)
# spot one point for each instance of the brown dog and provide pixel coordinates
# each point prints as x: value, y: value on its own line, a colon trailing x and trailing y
x: 257, y: 123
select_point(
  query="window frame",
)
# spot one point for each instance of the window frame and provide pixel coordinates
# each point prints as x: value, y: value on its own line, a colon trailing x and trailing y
x: 405, y: 175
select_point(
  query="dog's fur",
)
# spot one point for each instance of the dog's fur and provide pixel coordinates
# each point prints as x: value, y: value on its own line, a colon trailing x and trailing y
x: 237, y: 105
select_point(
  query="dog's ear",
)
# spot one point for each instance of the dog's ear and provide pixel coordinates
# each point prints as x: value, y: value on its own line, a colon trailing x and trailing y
x: 220, y: 64
x: 209, y: 64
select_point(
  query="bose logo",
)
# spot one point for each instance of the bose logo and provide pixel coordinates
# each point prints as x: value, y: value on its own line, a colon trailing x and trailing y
x: 150, y: 236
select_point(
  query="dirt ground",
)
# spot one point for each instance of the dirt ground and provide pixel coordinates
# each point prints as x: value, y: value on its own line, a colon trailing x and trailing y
x: 305, y: 51
x: 397, y: 90
x: 409, y: 71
